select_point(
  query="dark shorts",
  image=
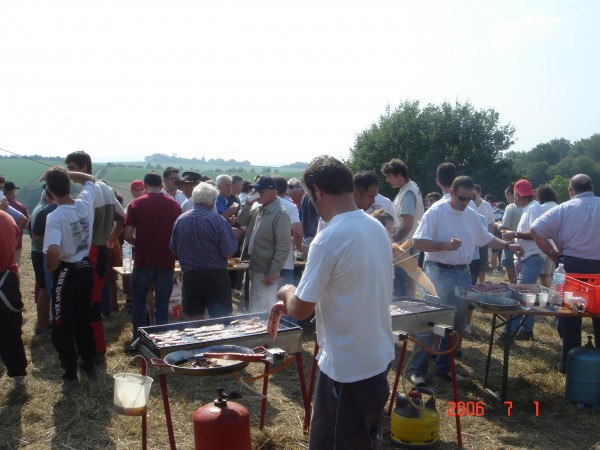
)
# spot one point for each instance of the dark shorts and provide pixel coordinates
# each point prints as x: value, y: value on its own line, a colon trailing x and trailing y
x: 37, y: 261
x: 508, y: 259
x: 483, y: 259
x: 348, y: 416
x: 206, y: 290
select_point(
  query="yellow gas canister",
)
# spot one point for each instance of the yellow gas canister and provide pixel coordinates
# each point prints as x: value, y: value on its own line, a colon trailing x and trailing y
x: 417, y: 424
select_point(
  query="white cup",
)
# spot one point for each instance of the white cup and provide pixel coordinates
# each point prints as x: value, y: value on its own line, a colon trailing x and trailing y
x: 567, y: 297
x: 529, y: 300
x: 543, y: 299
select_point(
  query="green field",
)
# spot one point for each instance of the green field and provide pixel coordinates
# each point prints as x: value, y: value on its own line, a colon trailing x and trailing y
x: 25, y: 174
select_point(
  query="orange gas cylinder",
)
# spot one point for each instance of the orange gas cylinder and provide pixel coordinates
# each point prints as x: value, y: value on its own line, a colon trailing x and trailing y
x: 222, y: 426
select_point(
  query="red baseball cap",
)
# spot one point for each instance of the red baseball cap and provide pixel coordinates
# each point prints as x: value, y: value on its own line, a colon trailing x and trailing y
x: 136, y: 185
x: 524, y: 188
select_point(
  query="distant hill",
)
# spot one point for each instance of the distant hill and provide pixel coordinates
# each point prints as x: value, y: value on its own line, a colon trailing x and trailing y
x: 25, y: 173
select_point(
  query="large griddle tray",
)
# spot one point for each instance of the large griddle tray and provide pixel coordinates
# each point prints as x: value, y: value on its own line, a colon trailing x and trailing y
x: 415, y: 316
x: 289, y: 335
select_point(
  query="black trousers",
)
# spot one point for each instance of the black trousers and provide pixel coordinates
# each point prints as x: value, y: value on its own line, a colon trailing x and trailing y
x: 71, y: 302
x: 12, y: 350
x: 206, y: 289
x: 348, y: 416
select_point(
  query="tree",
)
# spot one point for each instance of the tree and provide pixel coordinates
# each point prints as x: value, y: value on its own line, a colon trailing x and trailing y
x: 425, y: 137
x: 560, y: 185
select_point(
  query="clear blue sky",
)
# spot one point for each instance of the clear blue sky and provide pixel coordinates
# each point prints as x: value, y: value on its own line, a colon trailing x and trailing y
x: 276, y: 82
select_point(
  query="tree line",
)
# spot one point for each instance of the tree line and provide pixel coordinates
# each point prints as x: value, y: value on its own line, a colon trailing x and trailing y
x: 475, y: 141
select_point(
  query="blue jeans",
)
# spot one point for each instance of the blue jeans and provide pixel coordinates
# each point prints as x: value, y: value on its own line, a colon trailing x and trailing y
x: 569, y: 328
x: 141, y: 280
x: 444, y: 281
x: 531, y: 268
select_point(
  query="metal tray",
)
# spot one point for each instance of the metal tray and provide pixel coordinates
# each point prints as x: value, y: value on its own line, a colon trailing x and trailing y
x: 173, y: 359
x: 496, y: 303
x: 289, y: 336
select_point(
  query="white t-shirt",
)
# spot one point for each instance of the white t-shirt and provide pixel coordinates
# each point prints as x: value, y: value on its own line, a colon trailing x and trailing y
x: 179, y: 196
x: 187, y: 205
x: 348, y: 275
x: 292, y: 212
x: 485, y: 209
x: 530, y: 212
x: 382, y: 202
x: 70, y: 226
x: 442, y: 222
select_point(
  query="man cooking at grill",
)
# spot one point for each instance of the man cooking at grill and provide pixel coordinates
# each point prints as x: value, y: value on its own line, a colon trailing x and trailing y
x: 448, y: 234
x: 347, y: 282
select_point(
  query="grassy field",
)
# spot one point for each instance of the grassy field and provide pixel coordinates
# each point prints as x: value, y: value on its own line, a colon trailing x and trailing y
x: 41, y: 418
x: 25, y: 174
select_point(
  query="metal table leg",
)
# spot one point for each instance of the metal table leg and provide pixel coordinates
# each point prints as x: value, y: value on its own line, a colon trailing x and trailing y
x: 162, y: 379
x: 398, y: 371
x: 144, y: 371
x: 311, y: 386
x: 455, y: 391
x: 263, y: 402
x: 305, y: 400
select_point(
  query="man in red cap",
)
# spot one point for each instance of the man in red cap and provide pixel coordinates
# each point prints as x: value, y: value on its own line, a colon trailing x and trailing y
x: 530, y: 266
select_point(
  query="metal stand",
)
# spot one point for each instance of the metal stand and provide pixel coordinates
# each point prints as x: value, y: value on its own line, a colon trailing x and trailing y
x: 497, y: 322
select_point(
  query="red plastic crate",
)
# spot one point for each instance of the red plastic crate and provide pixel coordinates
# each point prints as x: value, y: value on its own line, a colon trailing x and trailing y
x: 587, y: 286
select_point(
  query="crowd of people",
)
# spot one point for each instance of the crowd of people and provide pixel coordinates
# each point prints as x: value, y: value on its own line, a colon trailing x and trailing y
x: 337, y: 220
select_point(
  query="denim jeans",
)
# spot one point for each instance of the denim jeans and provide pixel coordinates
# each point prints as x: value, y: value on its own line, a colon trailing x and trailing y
x: 569, y: 328
x: 141, y: 280
x: 444, y: 281
x: 531, y: 268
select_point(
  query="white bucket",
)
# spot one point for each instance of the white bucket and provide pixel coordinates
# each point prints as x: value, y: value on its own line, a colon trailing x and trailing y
x: 131, y: 393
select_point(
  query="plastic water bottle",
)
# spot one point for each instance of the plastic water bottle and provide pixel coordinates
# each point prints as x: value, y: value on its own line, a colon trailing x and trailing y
x: 127, y: 253
x: 558, y: 280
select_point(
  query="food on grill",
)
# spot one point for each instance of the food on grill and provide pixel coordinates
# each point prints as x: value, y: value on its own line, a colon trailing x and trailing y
x: 197, y: 362
x: 488, y: 286
x: 522, y: 290
x: 277, y: 310
x: 209, y: 332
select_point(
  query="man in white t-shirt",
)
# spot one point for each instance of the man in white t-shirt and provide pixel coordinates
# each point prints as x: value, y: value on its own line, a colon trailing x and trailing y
x: 67, y: 242
x: 530, y: 266
x: 170, y: 180
x: 448, y: 233
x: 287, y: 273
x: 409, y: 208
x: 486, y: 211
x: 347, y: 283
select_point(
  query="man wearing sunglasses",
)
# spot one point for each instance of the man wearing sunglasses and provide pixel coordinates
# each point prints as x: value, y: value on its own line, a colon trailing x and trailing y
x: 448, y: 233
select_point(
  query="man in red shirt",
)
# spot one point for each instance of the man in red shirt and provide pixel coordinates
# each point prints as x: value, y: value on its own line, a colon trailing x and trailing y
x: 148, y: 226
x: 12, y: 351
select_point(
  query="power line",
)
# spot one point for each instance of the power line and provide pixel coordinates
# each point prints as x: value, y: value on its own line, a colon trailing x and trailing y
x: 49, y: 165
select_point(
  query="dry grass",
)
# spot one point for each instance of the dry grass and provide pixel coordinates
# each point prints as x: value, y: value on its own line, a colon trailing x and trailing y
x: 42, y: 418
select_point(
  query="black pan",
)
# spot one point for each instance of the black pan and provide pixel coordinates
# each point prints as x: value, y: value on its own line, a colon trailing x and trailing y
x: 173, y: 360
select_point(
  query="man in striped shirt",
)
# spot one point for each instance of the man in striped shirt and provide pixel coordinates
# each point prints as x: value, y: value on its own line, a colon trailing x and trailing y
x: 202, y: 240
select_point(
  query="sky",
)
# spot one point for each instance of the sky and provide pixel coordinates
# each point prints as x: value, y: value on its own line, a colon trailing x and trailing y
x: 278, y: 82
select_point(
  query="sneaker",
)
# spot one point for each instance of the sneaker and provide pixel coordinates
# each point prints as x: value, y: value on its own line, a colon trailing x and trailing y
x: 70, y: 386
x: 468, y: 329
x: 39, y: 332
x: 448, y: 376
x: 524, y: 336
x: 417, y: 379
x: 235, y: 293
x: 20, y: 382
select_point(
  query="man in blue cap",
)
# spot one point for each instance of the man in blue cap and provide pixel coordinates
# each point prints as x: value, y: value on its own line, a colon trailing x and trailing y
x: 267, y: 242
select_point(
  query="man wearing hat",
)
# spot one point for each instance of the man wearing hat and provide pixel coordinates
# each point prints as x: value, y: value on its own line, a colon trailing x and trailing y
x: 267, y: 242
x: 10, y: 192
x: 530, y: 266
x: 187, y: 183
